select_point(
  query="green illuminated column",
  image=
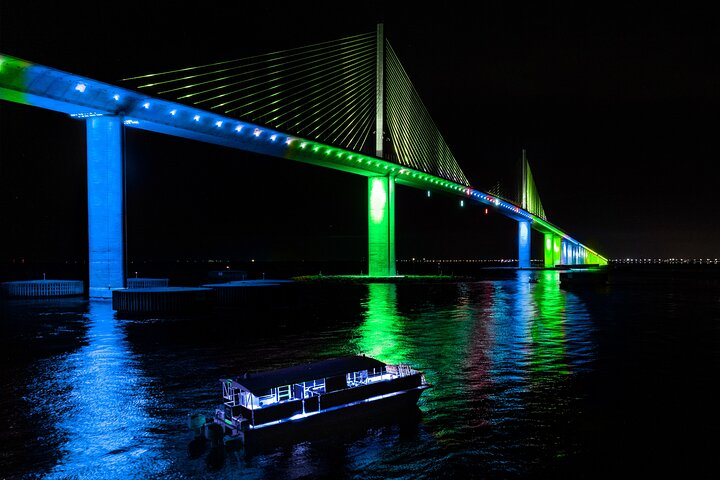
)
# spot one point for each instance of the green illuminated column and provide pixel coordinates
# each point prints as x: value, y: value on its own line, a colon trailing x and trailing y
x: 556, y: 249
x: 381, y: 226
x: 548, y: 249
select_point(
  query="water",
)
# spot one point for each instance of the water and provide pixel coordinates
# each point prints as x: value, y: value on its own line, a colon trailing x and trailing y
x: 530, y: 381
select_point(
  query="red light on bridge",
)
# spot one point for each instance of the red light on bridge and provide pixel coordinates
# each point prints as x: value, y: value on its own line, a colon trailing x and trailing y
x: 486, y: 211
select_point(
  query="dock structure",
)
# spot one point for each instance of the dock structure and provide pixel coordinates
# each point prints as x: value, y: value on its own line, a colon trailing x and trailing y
x: 147, y: 282
x: 251, y: 293
x: 162, y: 300
x: 43, y: 288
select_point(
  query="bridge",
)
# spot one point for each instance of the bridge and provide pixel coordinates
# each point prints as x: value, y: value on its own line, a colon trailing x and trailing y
x: 347, y: 105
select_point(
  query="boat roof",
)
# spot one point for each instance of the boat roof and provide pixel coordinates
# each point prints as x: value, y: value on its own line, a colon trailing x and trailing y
x: 260, y: 381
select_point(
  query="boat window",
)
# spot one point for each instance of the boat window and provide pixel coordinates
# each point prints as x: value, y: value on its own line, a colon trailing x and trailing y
x: 355, y: 379
x: 284, y: 393
x: 267, y: 399
x: 377, y: 374
x: 314, y: 387
x: 333, y: 384
x: 248, y: 400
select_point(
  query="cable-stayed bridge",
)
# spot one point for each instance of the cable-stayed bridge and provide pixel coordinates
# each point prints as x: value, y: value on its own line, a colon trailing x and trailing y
x: 347, y: 104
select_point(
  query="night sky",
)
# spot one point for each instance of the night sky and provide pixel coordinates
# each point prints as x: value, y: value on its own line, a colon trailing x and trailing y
x: 616, y: 107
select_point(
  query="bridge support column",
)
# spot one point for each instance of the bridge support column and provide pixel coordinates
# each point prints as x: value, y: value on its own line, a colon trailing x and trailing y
x: 547, y: 250
x: 381, y: 226
x: 105, y: 190
x: 523, y: 244
x: 567, y: 253
x: 553, y: 250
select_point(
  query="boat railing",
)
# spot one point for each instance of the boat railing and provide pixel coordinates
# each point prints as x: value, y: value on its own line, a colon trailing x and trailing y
x: 400, y: 370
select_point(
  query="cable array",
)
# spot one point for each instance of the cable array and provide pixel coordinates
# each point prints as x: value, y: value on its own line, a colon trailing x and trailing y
x: 416, y: 141
x: 529, y: 195
x: 324, y: 92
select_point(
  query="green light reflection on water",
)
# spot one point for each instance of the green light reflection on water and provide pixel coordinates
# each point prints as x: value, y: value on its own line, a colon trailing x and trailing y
x: 492, y: 341
x: 549, y: 355
x: 379, y: 336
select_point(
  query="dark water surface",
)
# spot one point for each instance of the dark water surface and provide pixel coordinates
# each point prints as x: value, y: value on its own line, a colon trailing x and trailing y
x: 530, y: 381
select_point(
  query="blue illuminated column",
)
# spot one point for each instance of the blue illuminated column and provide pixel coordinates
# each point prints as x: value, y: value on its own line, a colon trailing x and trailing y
x: 105, y: 205
x: 564, y: 257
x: 381, y: 226
x: 523, y: 244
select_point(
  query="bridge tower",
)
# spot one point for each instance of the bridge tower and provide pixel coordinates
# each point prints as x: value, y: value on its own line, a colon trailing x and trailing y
x: 524, y: 231
x: 381, y: 189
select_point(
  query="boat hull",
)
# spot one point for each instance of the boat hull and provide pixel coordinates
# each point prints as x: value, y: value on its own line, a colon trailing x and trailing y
x: 360, y: 414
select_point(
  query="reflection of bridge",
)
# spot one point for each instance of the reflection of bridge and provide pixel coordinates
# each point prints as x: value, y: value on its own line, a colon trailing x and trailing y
x: 346, y: 105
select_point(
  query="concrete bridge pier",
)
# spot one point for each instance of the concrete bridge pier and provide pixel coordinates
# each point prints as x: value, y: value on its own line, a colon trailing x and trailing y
x: 553, y: 250
x: 523, y: 244
x: 381, y: 226
x: 105, y: 190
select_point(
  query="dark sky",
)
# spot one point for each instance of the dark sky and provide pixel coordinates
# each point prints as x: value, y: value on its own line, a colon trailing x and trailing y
x: 616, y: 107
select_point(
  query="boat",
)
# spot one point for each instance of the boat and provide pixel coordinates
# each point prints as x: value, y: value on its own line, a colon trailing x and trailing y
x: 272, y: 403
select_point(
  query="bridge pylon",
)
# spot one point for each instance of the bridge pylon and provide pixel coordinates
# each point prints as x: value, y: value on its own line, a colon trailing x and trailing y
x: 106, y: 205
x: 381, y: 189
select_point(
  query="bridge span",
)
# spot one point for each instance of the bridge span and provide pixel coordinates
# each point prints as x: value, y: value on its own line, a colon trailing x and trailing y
x: 108, y: 109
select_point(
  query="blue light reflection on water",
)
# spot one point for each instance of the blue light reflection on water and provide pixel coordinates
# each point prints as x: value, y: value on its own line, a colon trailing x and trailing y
x: 99, y: 406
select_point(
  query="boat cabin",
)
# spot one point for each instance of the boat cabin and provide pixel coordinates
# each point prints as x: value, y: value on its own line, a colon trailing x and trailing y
x: 261, y: 399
